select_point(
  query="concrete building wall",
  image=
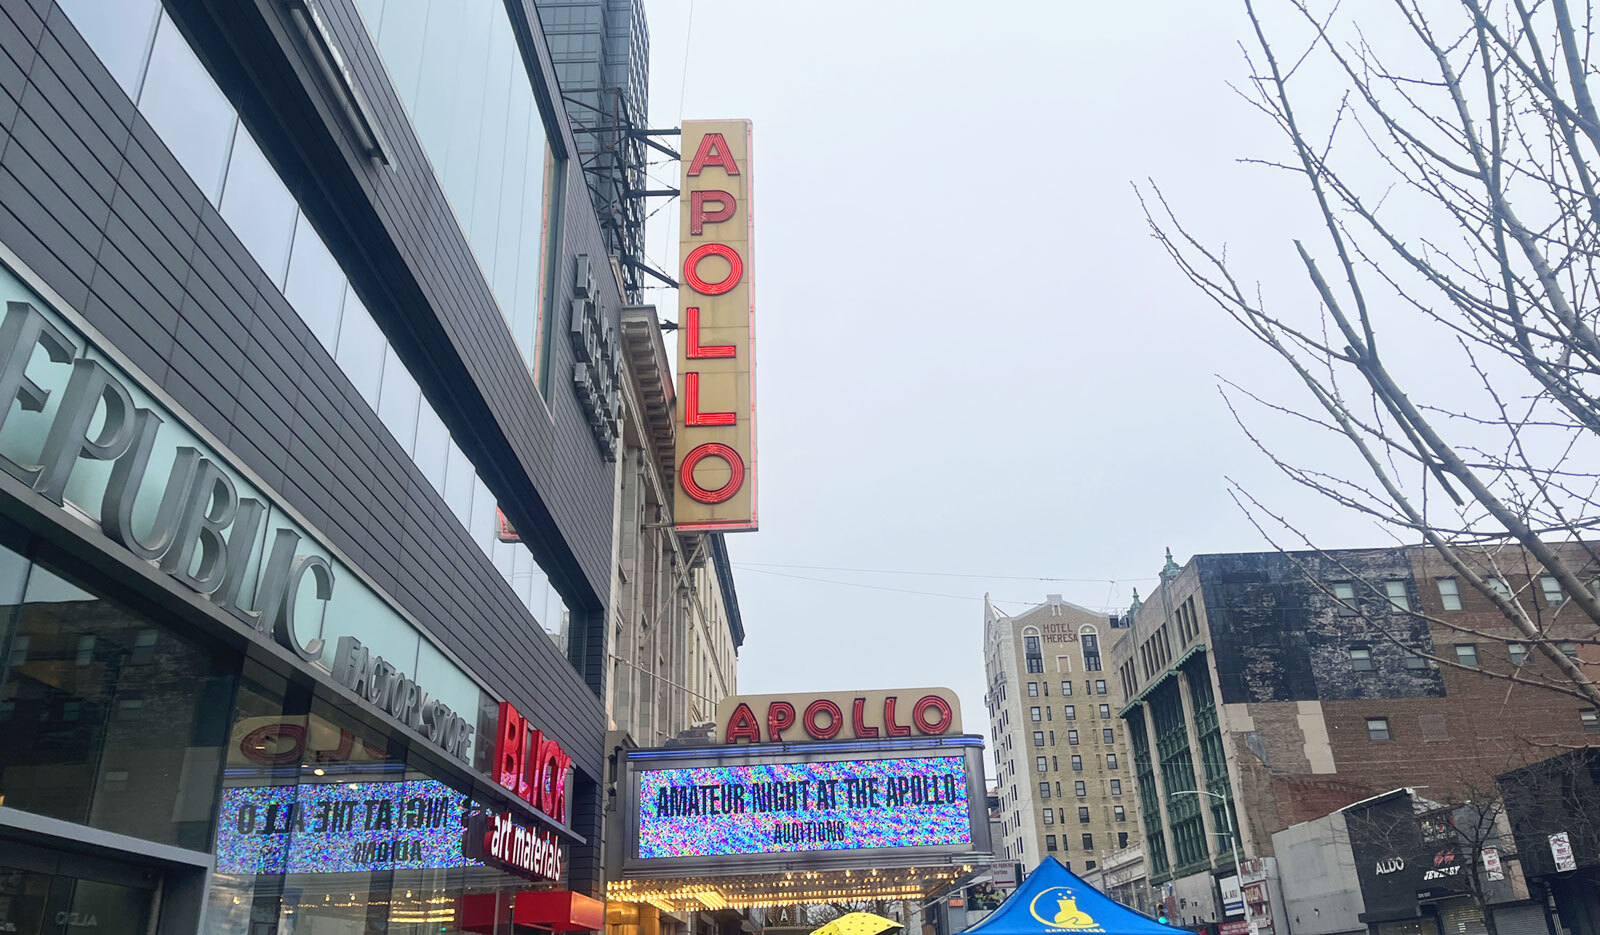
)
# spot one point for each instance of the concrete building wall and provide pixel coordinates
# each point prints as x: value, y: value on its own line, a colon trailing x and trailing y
x: 1322, y: 892
x: 1042, y: 762
x: 1334, y: 677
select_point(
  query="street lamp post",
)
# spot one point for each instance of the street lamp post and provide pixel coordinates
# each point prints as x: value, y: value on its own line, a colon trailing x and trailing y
x: 1233, y: 842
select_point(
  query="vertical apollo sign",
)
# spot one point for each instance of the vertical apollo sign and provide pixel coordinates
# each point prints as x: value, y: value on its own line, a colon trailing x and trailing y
x: 716, y: 449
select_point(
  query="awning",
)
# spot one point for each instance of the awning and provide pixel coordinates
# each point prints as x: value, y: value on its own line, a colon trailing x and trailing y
x: 530, y: 911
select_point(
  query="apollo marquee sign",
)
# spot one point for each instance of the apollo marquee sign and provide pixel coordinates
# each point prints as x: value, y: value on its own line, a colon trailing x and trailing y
x: 716, y: 456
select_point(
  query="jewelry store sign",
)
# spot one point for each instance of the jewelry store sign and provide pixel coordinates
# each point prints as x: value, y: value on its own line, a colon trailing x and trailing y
x: 77, y: 431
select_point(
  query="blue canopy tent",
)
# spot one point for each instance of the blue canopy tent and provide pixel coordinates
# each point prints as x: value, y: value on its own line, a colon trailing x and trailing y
x: 1052, y: 901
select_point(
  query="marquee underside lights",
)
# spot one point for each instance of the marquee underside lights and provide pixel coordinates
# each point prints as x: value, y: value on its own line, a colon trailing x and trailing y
x: 716, y: 456
x: 782, y: 889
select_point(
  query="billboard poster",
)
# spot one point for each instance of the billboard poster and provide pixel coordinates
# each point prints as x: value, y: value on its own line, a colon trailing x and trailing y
x: 1561, y: 850
x: 773, y: 808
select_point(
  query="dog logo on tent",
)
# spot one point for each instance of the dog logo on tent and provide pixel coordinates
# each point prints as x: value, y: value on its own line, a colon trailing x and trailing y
x: 1057, y: 908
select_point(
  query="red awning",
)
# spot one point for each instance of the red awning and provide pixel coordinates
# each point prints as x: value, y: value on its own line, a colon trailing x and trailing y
x: 531, y: 910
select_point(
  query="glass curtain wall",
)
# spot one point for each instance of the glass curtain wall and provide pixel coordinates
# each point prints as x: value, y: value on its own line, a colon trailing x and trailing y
x: 107, y: 718
x: 457, y: 68
x: 148, y: 55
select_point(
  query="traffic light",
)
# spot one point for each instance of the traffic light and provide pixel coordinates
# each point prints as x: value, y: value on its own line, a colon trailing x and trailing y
x: 1161, y: 916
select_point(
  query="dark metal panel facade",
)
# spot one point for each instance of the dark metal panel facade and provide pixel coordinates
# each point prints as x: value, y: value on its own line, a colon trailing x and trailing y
x: 92, y: 201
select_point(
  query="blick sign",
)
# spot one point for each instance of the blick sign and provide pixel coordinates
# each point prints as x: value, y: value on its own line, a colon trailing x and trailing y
x: 716, y: 457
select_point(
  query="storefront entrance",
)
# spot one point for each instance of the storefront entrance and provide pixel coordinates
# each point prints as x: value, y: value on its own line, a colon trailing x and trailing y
x: 48, y: 894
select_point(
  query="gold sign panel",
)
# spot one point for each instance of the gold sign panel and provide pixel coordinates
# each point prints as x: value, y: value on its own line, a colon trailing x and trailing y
x: 716, y: 457
x: 863, y: 715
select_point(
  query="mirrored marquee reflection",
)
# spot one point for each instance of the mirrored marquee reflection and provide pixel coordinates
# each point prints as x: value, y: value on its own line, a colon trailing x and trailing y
x: 322, y: 830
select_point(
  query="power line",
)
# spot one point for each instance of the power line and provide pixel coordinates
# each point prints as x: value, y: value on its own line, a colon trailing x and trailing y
x: 939, y: 574
x: 879, y: 587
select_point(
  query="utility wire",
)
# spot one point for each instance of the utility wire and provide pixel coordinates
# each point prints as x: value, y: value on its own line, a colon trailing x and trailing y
x: 879, y: 587
x: 938, y: 574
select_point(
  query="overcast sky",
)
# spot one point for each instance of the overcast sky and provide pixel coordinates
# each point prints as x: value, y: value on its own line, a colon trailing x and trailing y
x: 974, y: 362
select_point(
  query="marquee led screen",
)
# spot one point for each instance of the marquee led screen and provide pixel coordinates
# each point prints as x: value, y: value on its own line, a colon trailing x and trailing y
x: 343, y: 827
x: 721, y: 811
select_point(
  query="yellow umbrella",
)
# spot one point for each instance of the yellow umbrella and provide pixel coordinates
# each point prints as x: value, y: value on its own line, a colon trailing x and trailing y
x: 858, y: 923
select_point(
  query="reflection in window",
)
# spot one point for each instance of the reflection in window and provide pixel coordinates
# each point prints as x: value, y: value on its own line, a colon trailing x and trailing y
x: 119, y: 33
x: 397, y: 401
x: 457, y: 69
x: 113, y: 722
x: 259, y: 208
x: 187, y: 109
x: 380, y: 846
x: 316, y: 285
x: 361, y: 349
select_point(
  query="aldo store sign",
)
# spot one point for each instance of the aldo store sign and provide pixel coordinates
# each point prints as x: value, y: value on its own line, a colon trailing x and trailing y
x: 716, y: 448
x: 86, y: 437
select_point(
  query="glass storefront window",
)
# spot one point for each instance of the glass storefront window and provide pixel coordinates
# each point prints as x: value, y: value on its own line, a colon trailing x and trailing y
x: 325, y: 828
x: 106, y: 718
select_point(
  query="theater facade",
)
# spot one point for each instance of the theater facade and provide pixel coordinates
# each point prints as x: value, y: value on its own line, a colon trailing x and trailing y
x: 307, y: 440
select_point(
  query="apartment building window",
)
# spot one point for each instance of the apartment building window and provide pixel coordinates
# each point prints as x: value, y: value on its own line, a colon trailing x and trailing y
x: 1083, y: 819
x: 1088, y: 865
x: 1399, y: 599
x: 1052, y: 738
x: 1049, y: 816
x: 1066, y: 689
x: 1033, y: 689
x: 1038, y: 738
x: 1109, y: 735
x: 1568, y: 648
x: 1080, y: 788
x: 1105, y: 711
x: 1111, y: 761
x: 1046, y: 686
x: 1040, y: 763
x: 1049, y: 842
x: 1361, y: 659
x: 1077, y: 763
x: 1467, y: 654
x: 1030, y: 649
x: 1118, y: 813
x: 1044, y: 790
x: 1091, y: 652
x: 1591, y: 720
x: 1345, y: 593
x: 1033, y: 713
x: 1378, y: 729
x: 1047, y: 712
x: 1088, y: 842
x: 1552, y: 590
x: 1071, y: 713
x: 1518, y: 652
x: 1072, y: 737
x: 1099, y: 686
x: 1116, y: 787
x: 1415, y: 661
x: 1498, y: 586
x: 1058, y: 790
x: 1449, y: 594
x: 1122, y: 839
x: 1053, y: 764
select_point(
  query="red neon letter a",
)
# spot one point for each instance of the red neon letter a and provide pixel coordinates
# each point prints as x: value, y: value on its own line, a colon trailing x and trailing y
x: 713, y: 151
x: 742, y: 726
